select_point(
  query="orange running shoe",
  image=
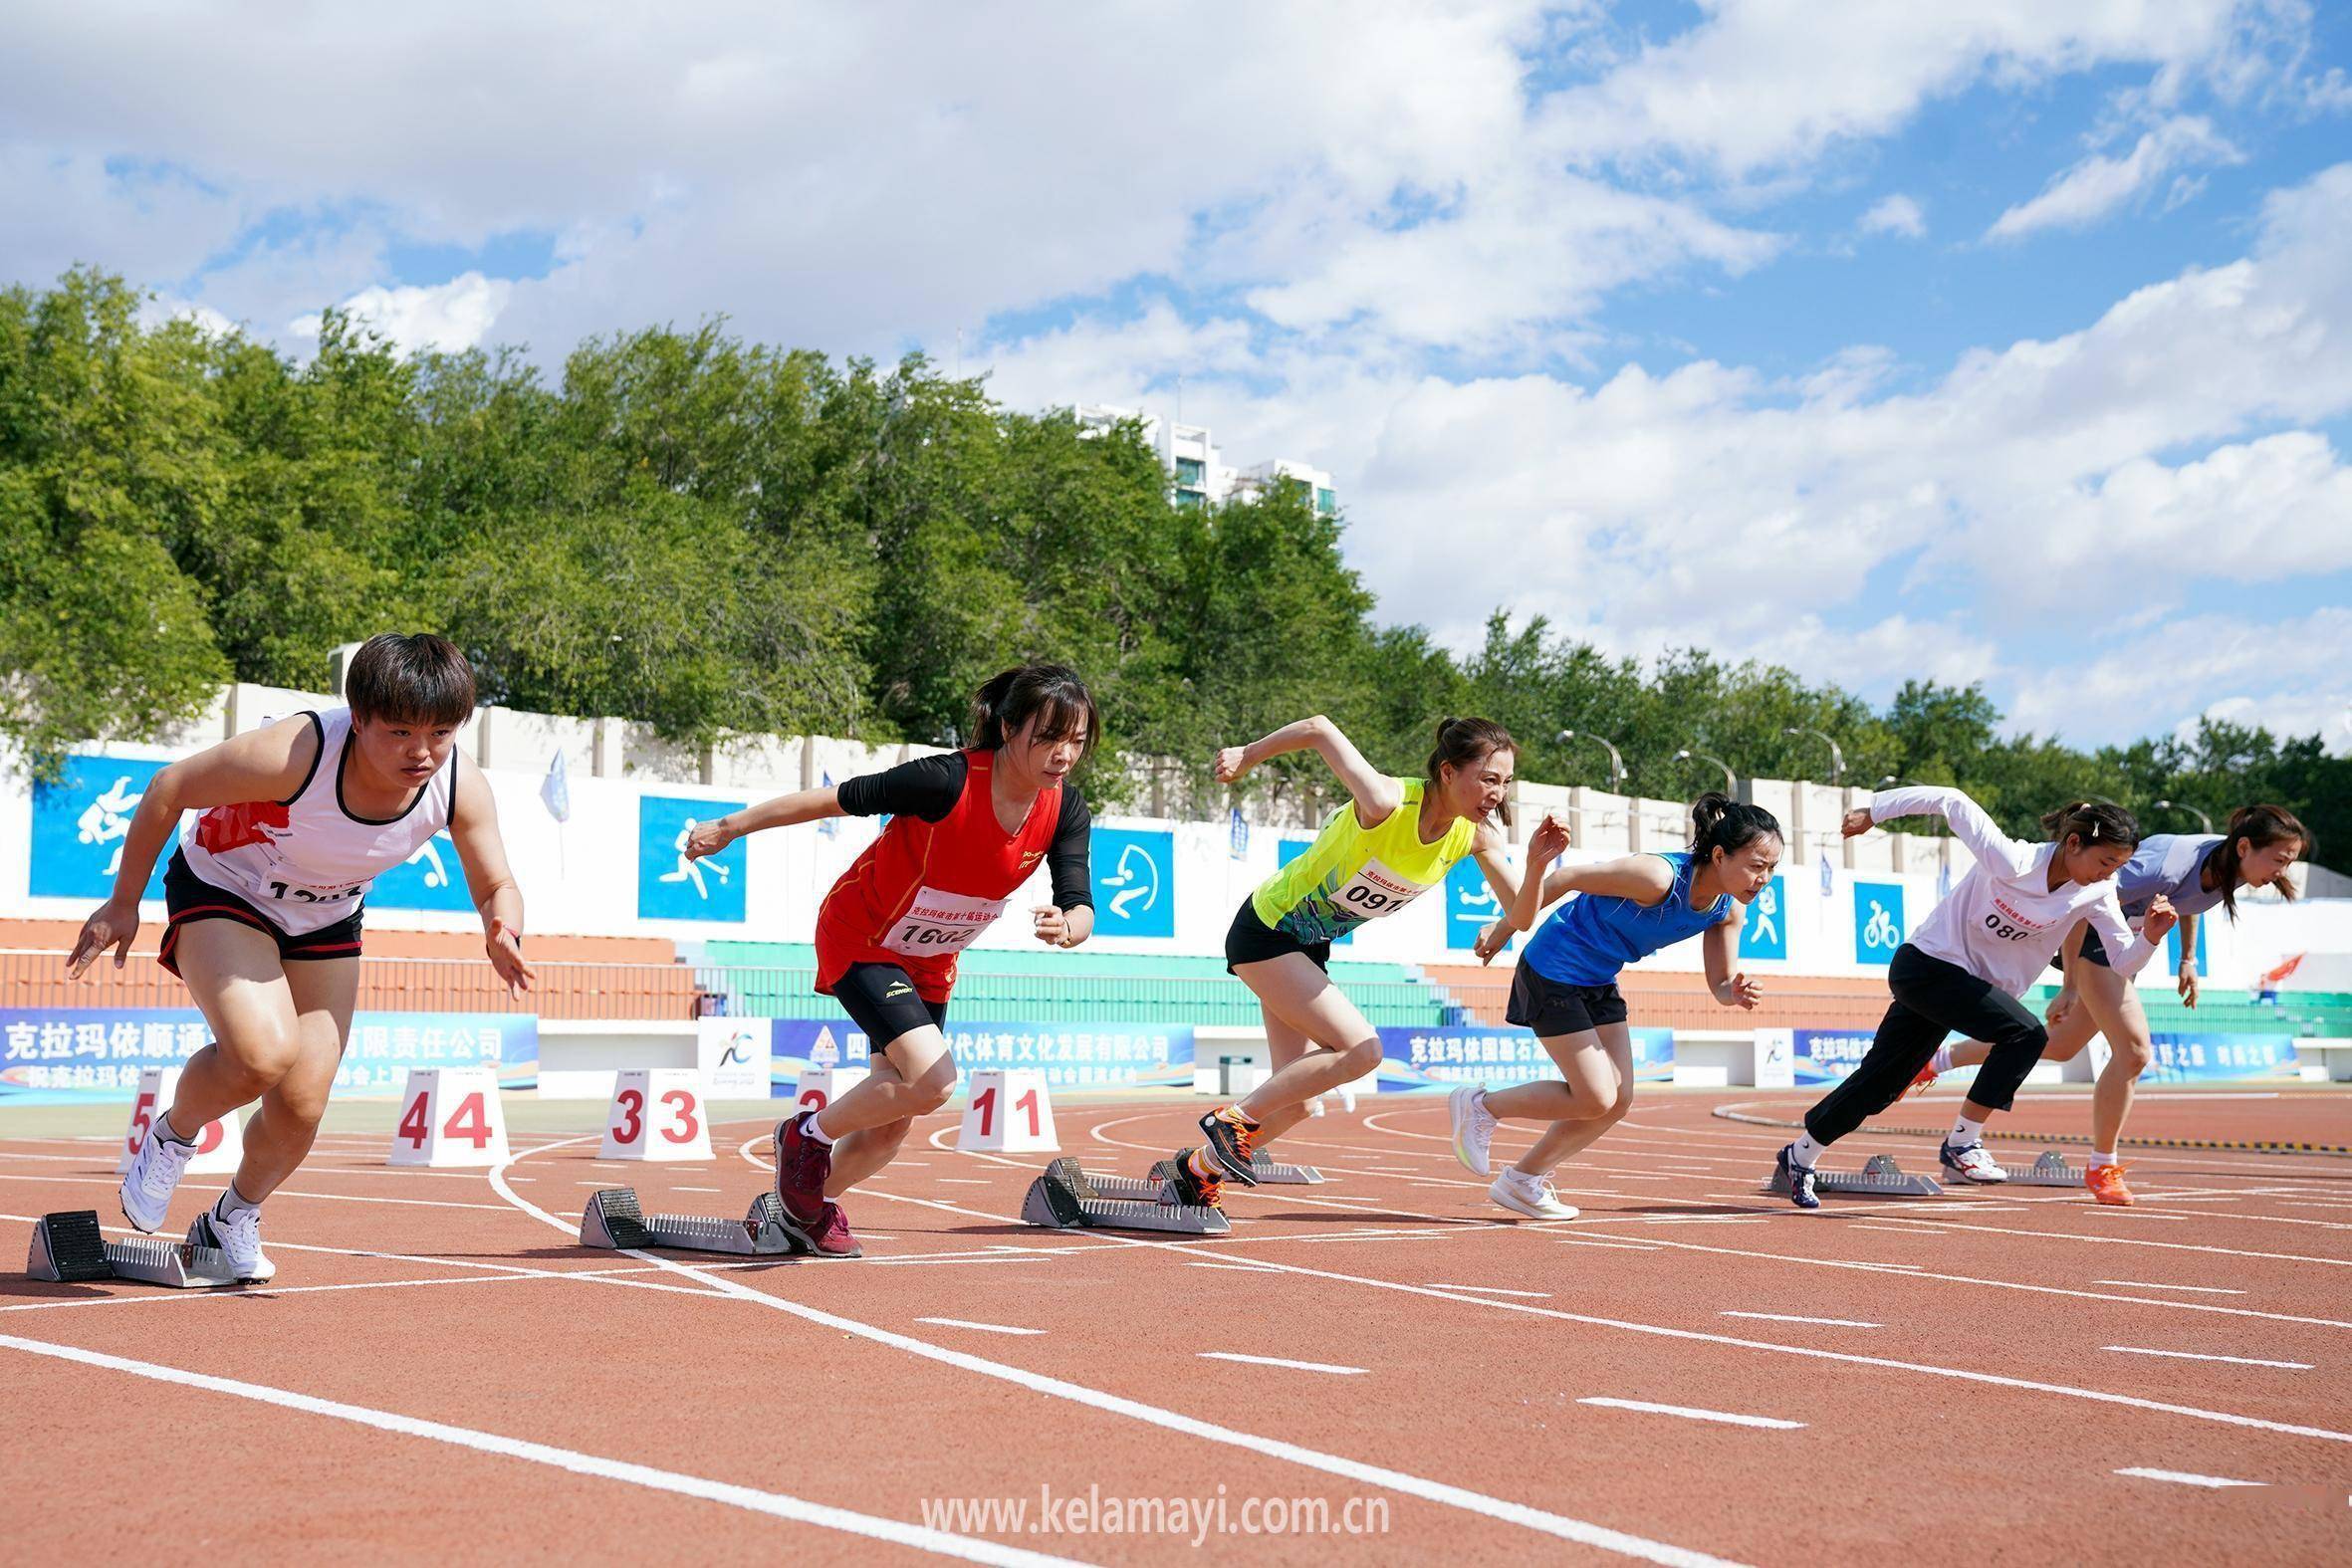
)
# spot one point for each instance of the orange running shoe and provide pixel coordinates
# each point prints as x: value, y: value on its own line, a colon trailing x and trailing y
x: 1190, y: 1189
x: 1924, y: 1082
x: 2106, y: 1184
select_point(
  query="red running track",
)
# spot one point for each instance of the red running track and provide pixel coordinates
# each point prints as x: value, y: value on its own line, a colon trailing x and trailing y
x: 440, y: 1370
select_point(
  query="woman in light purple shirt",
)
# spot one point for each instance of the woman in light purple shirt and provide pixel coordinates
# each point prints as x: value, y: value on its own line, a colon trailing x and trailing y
x: 2193, y: 872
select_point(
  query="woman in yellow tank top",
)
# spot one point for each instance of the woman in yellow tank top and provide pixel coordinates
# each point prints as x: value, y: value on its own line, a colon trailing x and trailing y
x: 1393, y: 840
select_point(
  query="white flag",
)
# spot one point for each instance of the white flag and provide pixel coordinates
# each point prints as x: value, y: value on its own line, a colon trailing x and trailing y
x: 556, y: 788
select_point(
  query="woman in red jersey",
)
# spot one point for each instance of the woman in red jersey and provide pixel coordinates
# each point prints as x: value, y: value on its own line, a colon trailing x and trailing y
x: 967, y: 828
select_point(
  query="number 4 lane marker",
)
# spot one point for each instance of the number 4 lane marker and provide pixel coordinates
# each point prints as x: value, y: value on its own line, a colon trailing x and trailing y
x: 1726, y: 1417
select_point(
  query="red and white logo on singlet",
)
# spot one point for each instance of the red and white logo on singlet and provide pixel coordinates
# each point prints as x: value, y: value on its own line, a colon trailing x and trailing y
x: 227, y: 827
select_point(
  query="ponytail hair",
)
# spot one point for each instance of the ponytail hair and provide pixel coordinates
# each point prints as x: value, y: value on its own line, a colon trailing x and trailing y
x: 1051, y: 694
x: 2259, y: 828
x: 2095, y: 822
x: 1719, y: 822
x: 1465, y: 743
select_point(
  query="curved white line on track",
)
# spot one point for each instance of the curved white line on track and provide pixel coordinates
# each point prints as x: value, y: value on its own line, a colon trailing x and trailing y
x: 2186, y: 1478
x: 776, y: 1504
x: 1692, y: 1412
x: 1444, y: 1494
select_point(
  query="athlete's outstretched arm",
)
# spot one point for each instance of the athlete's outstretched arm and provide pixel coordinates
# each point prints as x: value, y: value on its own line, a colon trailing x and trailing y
x: 473, y: 829
x: 1645, y: 879
x: 1731, y: 986
x: 268, y: 764
x: 1374, y: 792
x: 785, y: 811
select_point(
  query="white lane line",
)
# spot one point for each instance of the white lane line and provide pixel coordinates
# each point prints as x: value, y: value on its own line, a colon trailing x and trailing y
x: 1894, y: 1230
x: 282, y: 1192
x: 2191, y: 1355
x: 1789, y: 1317
x: 962, y: 1181
x: 1239, y: 1269
x: 1594, y: 1241
x: 1276, y: 1361
x: 1445, y: 1493
x: 1724, y: 1417
x: 2186, y: 1478
x: 985, y: 1328
x: 700, y: 1189
x: 2150, y: 1284
x: 1498, y: 1291
x: 774, y: 1503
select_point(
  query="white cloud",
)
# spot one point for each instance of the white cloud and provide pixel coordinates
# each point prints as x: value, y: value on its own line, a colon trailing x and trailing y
x: 2286, y: 675
x: 2091, y: 189
x: 1760, y: 83
x: 1895, y: 214
x: 449, y: 317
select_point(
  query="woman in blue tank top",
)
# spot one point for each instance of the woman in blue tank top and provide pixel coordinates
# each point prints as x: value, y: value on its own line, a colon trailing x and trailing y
x: 2194, y: 872
x: 1566, y: 986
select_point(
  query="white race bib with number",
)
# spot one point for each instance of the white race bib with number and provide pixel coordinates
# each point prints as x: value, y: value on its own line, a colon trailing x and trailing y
x: 1375, y: 891
x: 937, y: 922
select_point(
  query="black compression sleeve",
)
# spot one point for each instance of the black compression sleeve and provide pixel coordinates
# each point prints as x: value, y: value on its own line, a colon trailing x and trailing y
x: 1067, y: 861
x: 927, y: 788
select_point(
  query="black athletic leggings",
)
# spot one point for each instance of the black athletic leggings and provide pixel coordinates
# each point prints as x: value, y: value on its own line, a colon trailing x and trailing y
x: 1933, y: 998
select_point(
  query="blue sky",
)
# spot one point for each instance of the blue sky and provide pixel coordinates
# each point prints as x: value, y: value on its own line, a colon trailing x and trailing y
x: 1995, y: 341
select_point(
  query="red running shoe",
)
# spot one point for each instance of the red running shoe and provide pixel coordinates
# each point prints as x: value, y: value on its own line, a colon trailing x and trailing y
x: 802, y: 1164
x: 829, y: 1236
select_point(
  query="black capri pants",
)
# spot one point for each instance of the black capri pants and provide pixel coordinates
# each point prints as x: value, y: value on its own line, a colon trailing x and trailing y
x: 1933, y: 998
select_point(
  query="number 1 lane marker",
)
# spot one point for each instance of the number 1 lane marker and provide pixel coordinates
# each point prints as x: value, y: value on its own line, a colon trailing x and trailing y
x: 1276, y: 1361
x: 1726, y: 1417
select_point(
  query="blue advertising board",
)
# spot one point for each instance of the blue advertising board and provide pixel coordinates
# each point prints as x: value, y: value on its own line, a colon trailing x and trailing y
x: 1471, y: 905
x: 1826, y: 1056
x: 1878, y: 921
x: 429, y: 879
x: 1765, y: 933
x: 79, y: 824
x: 1106, y: 1055
x: 672, y: 887
x: 1440, y: 1056
x: 2202, y: 1057
x: 1134, y: 882
x: 59, y: 1055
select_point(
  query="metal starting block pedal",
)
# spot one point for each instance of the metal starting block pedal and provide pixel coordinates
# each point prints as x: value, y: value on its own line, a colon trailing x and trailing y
x: 1269, y: 1173
x: 1067, y: 1197
x: 2049, y: 1169
x: 612, y: 1219
x: 69, y: 1249
x: 1880, y: 1177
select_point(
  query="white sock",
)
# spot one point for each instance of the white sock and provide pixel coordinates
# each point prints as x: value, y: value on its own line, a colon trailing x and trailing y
x: 816, y: 1134
x: 232, y: 1202
x: 1965, y: 1132
x: 2102, y: 1157
x: 1808, y: 1152
x: 169, y: 1134
x: 1942, y: 1060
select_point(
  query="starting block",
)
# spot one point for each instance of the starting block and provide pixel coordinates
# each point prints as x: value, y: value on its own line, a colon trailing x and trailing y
x: 1269, y: 1173
x: 1880, y: 1177
x: 1068, y: 1198
x: 68, y: 1247
x: 2049, y: 1169
x: 613, y: 1220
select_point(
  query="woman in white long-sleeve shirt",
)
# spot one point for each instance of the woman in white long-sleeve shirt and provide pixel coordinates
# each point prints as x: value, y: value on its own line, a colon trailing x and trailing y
x: 1976, y: 951
x: 2194, y: 874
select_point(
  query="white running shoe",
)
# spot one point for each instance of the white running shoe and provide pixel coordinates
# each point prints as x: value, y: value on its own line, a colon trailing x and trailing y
x: 1532, y: 1196
x: 1971, y: 1164
x: 239, y: 1236
x: 1474, y: 1126
x: 153, y: 1177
